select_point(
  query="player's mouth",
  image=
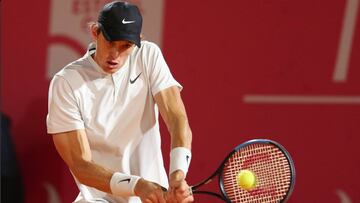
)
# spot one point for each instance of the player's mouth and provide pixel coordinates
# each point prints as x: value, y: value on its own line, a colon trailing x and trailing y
x: 112, y: 64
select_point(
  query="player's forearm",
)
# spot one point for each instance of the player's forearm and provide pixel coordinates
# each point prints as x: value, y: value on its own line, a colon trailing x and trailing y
x: 173, y: 112
x: 181, y: 135
x: 115, y: 183
x: 74, y: 149
x: 180, y: 157
x: 93, y: 175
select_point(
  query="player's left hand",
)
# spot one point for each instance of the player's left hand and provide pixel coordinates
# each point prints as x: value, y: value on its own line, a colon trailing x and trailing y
x: 179, y: 190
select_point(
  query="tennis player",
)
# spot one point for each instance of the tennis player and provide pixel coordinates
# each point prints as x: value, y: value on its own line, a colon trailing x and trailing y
x: 103, y: 116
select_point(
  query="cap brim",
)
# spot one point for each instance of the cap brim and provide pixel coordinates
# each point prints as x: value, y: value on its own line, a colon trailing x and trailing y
x: 134, y: 38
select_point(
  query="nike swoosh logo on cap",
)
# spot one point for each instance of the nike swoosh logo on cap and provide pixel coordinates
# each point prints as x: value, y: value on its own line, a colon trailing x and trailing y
x: 127, y: 22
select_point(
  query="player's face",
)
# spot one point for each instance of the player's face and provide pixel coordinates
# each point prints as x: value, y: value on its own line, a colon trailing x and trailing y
x: 111, y: 55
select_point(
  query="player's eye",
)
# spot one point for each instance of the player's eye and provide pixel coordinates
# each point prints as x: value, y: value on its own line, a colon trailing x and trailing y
x: 128, y: 45
x: 110, y: 43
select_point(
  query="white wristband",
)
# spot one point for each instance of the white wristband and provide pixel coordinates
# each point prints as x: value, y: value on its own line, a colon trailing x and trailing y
x: 180, y: 158
x: 123, y: 184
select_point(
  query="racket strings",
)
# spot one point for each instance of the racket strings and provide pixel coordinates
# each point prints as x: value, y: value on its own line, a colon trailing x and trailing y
x: 271, y: 168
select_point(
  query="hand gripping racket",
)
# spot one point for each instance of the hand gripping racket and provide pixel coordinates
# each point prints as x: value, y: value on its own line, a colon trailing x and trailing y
x: 270, y: 163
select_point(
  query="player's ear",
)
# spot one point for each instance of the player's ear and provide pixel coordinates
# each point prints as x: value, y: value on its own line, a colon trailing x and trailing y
x: 94, y: 30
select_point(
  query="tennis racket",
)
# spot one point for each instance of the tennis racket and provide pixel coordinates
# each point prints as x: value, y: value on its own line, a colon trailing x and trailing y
x: 269, y: 161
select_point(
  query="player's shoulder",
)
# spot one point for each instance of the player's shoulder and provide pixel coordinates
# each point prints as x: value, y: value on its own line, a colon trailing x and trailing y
x: 80, y: 65
x: 70, y: 69
x: 73, y: 70
x: 147, y: 46
x: 147, y: 51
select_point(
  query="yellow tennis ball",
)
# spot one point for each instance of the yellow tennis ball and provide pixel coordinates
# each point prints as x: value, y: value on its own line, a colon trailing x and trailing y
x: 246, y: 179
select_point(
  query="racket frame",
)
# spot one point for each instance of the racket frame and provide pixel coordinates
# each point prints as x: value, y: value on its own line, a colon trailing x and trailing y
x: 218, y: 172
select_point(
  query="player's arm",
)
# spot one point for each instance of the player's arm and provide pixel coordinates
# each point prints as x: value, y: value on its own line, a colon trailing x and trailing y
x: 74, y: 149
x: 173, y: 112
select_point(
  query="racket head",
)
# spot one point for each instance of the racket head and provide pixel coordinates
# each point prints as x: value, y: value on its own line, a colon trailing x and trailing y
x: 273, y: 168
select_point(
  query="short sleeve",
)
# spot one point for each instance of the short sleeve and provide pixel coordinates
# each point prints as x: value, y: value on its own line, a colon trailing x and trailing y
x: 63, y: 112
x: 159, y: 73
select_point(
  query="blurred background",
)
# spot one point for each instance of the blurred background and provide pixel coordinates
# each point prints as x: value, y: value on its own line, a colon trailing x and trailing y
x: 277, y: 69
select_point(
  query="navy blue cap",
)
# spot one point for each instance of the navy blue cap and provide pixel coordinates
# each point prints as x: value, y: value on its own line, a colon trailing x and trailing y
x: 121, y: 21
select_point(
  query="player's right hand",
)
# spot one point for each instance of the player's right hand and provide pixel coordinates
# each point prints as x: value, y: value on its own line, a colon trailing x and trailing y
x: 179, y: 190
x: 149, y: 192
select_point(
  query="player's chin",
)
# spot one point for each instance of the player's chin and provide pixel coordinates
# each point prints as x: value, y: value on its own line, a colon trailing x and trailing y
x: 110, y: 69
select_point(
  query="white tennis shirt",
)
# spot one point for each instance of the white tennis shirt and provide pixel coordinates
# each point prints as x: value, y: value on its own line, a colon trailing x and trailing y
x: 117, y: 111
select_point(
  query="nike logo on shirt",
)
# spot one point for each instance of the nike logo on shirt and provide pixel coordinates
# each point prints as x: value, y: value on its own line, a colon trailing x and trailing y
x: 132, y: 81
x: 127, y: 22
